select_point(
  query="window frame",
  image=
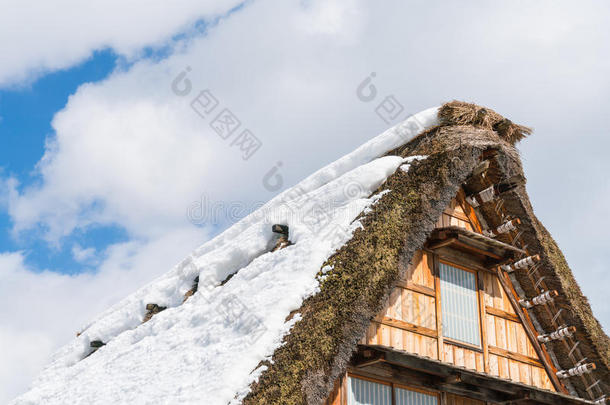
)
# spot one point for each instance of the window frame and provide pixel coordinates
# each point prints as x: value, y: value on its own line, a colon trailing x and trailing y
x: 369, y: 379
x: 480, y: 347
x: 435, y: 394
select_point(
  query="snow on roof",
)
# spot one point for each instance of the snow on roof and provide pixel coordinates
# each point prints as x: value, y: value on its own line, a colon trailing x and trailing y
x: 206, y: 349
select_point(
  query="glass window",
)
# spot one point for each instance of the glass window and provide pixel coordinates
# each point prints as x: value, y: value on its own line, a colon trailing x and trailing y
x: 408, y: 397
x: 459, y: 305
x: 363, y: 392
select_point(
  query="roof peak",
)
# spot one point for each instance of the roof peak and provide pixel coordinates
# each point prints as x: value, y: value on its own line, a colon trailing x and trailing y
x: 462, y: 113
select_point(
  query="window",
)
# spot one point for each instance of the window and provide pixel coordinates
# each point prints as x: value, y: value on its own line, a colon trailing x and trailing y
x: 365, y: 392
x: 459, y: 305
x: 408, y: 397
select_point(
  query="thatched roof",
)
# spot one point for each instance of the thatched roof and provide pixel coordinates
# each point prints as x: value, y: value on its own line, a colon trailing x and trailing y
x: 319, y: 346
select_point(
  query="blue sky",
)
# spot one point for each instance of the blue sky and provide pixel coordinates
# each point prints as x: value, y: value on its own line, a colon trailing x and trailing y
x: 27, y: 111
x: 107, y: 211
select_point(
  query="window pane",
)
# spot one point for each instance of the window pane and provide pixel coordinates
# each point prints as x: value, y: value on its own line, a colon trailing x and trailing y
x: 459, y: 305
x: 407, y: 397
x: 362, y: 392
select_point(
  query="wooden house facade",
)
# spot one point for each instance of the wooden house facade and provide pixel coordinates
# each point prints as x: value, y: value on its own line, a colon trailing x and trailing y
x: 450, y: 308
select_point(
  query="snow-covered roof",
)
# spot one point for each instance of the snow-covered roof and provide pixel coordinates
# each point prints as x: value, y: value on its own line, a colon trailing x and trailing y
x: 207, y: 348
x: 286, y: 323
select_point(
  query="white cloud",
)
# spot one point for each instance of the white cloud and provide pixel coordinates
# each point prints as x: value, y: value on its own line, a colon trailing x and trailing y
x: 83, y: 255
x: 128, y: 152
x: 40, y: 36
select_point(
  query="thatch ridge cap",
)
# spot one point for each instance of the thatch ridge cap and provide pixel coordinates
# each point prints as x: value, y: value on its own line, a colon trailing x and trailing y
x: 463, y: 113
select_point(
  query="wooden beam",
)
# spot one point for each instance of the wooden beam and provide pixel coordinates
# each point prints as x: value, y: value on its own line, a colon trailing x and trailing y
x: 417, y: 363
x: 514, y: 356
x: 528, y: 326
x: 477, y: 392
x: 457, y: 242
x: 417, y: 288
x: 442, y: 243
x: 502, y: 314
x: 462, y: 243
x: 457, y: 257
x: 365, y: 358
x: 409, y: 327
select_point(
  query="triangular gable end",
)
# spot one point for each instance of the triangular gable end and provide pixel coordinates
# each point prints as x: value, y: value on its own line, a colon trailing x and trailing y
x: 412, y: 319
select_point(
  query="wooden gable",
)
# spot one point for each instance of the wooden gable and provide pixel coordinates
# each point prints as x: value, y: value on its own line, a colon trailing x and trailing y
x: 459, y: 213
x: 411, y: 320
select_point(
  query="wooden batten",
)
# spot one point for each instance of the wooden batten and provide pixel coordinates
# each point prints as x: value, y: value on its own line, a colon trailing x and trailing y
x: 508, y: 226
x: 521, y: 264
x: 559, y: 334
x: 542, y: 299
x: 502, y: 314
x: 576, y: 371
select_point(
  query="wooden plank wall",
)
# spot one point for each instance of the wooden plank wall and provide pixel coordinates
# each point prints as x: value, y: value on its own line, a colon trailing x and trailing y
x: 409, y: 323
x: 454, y: 215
